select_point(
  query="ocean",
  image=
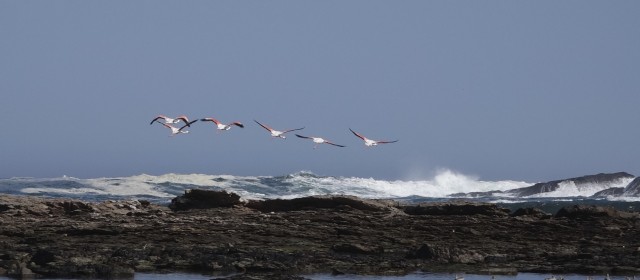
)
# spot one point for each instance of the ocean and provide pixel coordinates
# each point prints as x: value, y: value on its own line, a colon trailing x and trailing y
x: 445, y: 186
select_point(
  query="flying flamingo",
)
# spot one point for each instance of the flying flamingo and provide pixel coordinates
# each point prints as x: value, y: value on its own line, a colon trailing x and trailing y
x: 368, y: 142
x: 168, y: 120
x: 277, y: 133
x: 318, y: 140
x: 221, y: 126
x: 175, y: 130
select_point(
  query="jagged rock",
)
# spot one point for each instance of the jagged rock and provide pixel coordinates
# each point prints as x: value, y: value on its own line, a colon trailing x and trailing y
x: 203, y: 199
x: 315, y: 202
x: 447, y: 254
x: 609, y: 192
x: 357, y: 249
x: 633, y: 189
x: 71, y: 207
x: 602, y: 178
x: 592, y: 212
x: 307, y: 236
x: 534, y: 212
x: 456, y: 209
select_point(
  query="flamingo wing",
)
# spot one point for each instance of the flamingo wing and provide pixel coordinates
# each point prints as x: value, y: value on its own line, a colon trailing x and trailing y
x: 183, y: 118
x: 188, y: 124
x: 330, y: 143
x: 157, y: 118
x: 386, y: 142
x: 303, y: 136
x: 168, y: 126
x: 358, y: 134
x: 238, y: 124
x: 264, y: 126
x: 292, y: 130
x: 210, y: 120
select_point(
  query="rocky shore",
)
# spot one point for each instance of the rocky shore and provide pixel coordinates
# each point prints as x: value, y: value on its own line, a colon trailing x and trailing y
x: 216, y: 232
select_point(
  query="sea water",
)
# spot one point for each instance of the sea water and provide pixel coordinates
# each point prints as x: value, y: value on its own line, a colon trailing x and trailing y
x: 446, y: 185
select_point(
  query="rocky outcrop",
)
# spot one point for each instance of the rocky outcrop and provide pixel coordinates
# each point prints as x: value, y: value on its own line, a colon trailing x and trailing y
x: 633, y: 189
x: 462, y: 208
x: 609, y: 192
x: 531, y: 212
x: 315, y: 202
x: 593, y: 212
x: 203, y: 199
x: 213, y: 232
x: 602, y: 179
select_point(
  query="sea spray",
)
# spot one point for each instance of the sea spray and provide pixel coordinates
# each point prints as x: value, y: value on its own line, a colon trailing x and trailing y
x: 161, y: 188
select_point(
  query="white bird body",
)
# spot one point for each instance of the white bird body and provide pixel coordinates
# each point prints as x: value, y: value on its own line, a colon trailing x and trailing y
x: 368, y: 142
x: 175, y: 130
x: 277, y: 133
x: 221, y: 126
x: 319, y: 140
x: 168, y: 120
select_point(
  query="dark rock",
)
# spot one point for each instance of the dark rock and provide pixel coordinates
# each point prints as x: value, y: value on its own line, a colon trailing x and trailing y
x: 315, y: 202
x: 602, y: 178
x: 534, y: 212
x: 591, y: 212
x: 42, y: 257
x: 609, y: 192
x: 357, y: 249
x: 633, y: 189
x: 74, y: 207
x: 475, y: 194
x: 203, y: 199
x: 447, y: 254
x: 456, y: 209
x: 307, y: 236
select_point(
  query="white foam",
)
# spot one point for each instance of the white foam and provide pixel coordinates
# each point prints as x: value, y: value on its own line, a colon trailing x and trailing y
x: 443, y: 184
x: 569, y: 188
x: 63, y: 191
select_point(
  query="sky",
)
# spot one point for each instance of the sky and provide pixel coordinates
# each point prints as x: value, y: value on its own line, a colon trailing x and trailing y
x: 499, y: 90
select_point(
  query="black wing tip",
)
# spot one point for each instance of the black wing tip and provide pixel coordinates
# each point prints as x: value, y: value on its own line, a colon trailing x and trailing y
x: 188, y: 124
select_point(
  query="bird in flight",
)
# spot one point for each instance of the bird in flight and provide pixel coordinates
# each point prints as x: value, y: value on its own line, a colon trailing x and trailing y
x: 368, y: 142
x: 175, y: 130
x: 318, y: 141
x: 168, y: 120
x: 277, y: 133
x: 221, y: 126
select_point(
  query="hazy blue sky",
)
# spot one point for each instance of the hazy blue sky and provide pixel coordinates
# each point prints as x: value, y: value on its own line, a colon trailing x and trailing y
x: 523, y: 90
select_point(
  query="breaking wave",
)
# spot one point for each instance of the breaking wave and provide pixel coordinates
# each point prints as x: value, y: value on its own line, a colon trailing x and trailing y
x: 162, y: 188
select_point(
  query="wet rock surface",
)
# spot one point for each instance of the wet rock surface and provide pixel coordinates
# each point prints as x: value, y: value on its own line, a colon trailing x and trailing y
x: 283, y: 239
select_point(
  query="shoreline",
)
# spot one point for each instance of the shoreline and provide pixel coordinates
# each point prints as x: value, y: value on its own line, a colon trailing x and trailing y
x: 211, y: 231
